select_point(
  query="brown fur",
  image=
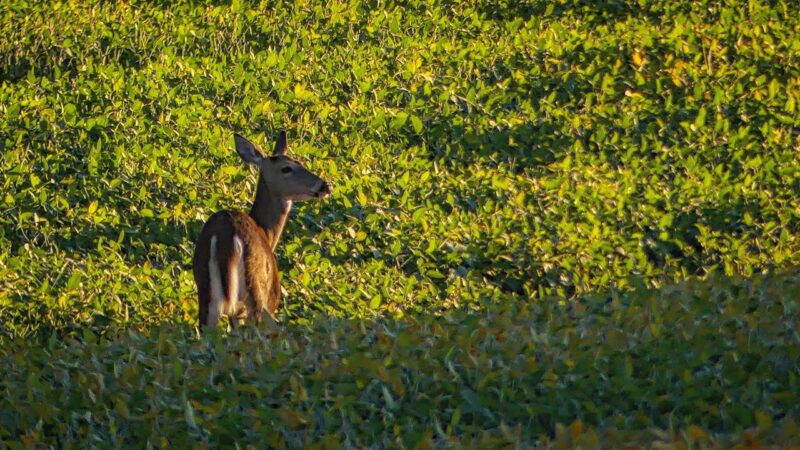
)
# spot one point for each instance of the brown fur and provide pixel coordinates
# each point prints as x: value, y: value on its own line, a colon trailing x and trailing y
x: 261, y: 266
x: 259, y: 232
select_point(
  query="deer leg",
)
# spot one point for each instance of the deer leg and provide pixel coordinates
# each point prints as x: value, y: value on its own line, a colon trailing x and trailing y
x: 238, y: 319
x: 237, y: 287
x: 216, y: 294
x: 205, y: 298
x: 257, y: 305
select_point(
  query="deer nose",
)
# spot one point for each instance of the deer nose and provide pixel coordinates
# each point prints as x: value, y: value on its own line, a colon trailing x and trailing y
x: 324, y: 189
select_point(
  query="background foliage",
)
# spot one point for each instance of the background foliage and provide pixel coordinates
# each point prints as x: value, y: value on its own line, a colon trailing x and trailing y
x: 519, y: 157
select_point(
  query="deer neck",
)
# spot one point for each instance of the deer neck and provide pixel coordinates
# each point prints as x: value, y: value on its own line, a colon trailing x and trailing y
x: 270, y: 212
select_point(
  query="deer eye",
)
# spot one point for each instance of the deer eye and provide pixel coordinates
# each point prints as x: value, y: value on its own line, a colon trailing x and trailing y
x: 287, y: 169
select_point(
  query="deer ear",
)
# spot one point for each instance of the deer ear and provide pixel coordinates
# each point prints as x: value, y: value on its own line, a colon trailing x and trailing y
x: 248, y: 151
x: 280, y: 146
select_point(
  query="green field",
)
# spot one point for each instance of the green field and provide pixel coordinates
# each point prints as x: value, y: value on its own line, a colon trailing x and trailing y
x: 557, y: 224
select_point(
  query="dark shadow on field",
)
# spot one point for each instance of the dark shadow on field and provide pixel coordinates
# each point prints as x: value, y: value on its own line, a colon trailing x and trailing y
x: 133, y: 238
x: 649, y: 358
x: 593, y: 12
x: 523, y: 147
x: 590, y: 11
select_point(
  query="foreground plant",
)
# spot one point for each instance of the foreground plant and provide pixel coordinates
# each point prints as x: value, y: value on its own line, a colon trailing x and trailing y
x: 711, y: 363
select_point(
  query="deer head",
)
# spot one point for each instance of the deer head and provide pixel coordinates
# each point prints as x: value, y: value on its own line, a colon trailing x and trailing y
x: 284, y: 176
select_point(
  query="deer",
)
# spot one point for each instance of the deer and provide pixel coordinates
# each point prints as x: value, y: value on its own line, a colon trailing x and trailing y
x: 234, y: 262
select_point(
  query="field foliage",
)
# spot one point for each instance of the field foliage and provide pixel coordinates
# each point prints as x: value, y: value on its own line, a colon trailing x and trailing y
x: 550, y: 221
x: 659, y: 367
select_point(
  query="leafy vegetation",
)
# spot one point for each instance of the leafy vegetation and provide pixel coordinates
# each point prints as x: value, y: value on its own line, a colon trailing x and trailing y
x: 714, y: 355
x: 500, y: 170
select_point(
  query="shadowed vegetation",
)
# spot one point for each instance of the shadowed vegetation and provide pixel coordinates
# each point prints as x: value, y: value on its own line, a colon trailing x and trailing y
x: 488, y: 159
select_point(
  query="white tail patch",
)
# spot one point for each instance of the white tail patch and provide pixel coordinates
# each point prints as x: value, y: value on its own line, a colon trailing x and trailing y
x: 237, y: 289
x: 215, y: 286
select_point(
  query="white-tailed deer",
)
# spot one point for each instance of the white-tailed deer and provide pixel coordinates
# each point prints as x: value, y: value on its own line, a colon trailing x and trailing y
x: 234, y: 262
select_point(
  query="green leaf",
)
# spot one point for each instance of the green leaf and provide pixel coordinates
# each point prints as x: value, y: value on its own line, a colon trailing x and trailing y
x: 416, y: 123
x: 700, y: 120
x: 398, y: 121
x: 74, y: 280
x: 188, y: 411
x: 375, y: 302
x: 433, y: 273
